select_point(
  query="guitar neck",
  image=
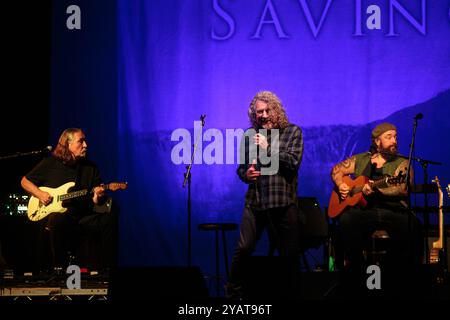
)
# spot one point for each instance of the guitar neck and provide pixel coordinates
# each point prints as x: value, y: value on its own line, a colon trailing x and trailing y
x: 79, y: 193
x: 381, y: 182
x: 441, y: 219
x: 439, y: 243
x: 376, y: 183
x: 74, y: 194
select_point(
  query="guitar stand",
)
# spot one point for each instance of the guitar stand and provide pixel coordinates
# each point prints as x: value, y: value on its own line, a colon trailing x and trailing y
x: 426, y: 208
x: 426, y: 218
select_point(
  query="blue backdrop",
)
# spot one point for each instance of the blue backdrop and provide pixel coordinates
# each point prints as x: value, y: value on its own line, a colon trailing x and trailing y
x: 138, y: 70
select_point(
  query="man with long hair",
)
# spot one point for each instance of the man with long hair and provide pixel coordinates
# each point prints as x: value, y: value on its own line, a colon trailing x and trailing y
x: 386, y: 210
x: 69, y: 163
x: 271, y: 198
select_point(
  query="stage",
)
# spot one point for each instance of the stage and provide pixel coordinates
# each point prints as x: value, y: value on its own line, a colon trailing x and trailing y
x: 178, y: 284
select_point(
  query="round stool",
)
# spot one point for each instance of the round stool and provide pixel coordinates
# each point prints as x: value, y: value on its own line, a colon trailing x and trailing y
x: 380, y: 245
x: 216, y: 227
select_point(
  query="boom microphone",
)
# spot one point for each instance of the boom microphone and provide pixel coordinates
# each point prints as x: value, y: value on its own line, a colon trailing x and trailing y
x: 46, y: 149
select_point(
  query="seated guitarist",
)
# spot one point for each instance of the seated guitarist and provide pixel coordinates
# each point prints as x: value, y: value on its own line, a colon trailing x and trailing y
x: 386, y: 207
x: 68, y: 163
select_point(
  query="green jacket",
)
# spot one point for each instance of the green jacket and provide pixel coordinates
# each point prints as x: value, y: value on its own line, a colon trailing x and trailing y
x: 363, y: 167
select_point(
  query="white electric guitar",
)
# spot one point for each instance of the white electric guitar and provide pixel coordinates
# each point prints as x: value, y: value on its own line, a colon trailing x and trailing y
x: 38, y: 211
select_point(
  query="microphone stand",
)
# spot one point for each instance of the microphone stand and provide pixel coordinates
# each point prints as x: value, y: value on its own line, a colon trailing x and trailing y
x: 424, y: 163
x: 187, y: 179
x: 420, y: 160
x: 23, y: 154
x: 408, y: 188
x: 411, y: 152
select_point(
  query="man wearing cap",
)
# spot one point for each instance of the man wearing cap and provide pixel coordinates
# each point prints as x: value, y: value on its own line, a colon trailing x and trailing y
x: 386, y: 207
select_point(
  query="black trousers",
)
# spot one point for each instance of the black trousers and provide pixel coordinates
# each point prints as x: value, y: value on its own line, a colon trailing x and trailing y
x: 66, y: 231
x: 282, y: 228
x: 404, y: 247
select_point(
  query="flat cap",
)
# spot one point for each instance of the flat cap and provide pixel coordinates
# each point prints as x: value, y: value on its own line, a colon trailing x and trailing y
x: 382, y: 128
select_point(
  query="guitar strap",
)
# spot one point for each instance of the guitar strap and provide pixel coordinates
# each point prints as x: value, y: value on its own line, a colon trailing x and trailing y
x: 78, y: 175
x: 78, y: 186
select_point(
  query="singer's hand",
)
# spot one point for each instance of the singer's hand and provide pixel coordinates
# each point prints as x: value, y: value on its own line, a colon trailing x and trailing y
x: 252, y: 173
x: 261, y: 140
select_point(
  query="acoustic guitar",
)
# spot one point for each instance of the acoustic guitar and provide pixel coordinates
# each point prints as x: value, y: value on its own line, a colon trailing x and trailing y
x: 355, y: 196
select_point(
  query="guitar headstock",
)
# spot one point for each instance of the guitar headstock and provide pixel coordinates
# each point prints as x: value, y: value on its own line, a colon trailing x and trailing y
x: 438, y: 184
x: 436, y: 180
x: 114, y: 186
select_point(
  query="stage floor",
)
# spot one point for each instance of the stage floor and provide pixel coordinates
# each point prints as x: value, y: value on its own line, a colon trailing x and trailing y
x: 154, y: 284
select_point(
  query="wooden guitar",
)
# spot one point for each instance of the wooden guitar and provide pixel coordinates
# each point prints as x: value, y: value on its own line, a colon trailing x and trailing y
x: 38, y: 211
x: 438, y: 245
x: 355, y: 196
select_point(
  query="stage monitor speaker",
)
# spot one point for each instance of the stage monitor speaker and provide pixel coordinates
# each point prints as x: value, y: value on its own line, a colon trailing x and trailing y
x: 313, y: 223
x: 165, y: 283
x: 272, y: 277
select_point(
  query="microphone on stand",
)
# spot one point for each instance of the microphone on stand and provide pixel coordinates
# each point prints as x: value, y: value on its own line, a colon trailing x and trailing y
x: 22, y: 154
x: 46, y: 149
x: 418, y: 116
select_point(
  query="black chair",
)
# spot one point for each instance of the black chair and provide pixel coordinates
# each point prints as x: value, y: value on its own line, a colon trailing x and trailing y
x: 216, y: 227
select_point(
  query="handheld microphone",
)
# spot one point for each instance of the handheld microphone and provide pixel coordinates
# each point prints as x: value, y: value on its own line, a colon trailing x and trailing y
x: 418, y: 116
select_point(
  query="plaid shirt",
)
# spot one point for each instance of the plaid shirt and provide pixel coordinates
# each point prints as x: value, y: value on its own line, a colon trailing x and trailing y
x: 280, y: 188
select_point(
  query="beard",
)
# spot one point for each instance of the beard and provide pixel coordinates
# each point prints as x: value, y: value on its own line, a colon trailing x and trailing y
x: 390, y: 152
x: 267, y: 123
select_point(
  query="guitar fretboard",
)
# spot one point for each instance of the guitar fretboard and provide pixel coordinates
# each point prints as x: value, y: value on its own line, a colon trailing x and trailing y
x: 81, y: 193
x: 72, y: 195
